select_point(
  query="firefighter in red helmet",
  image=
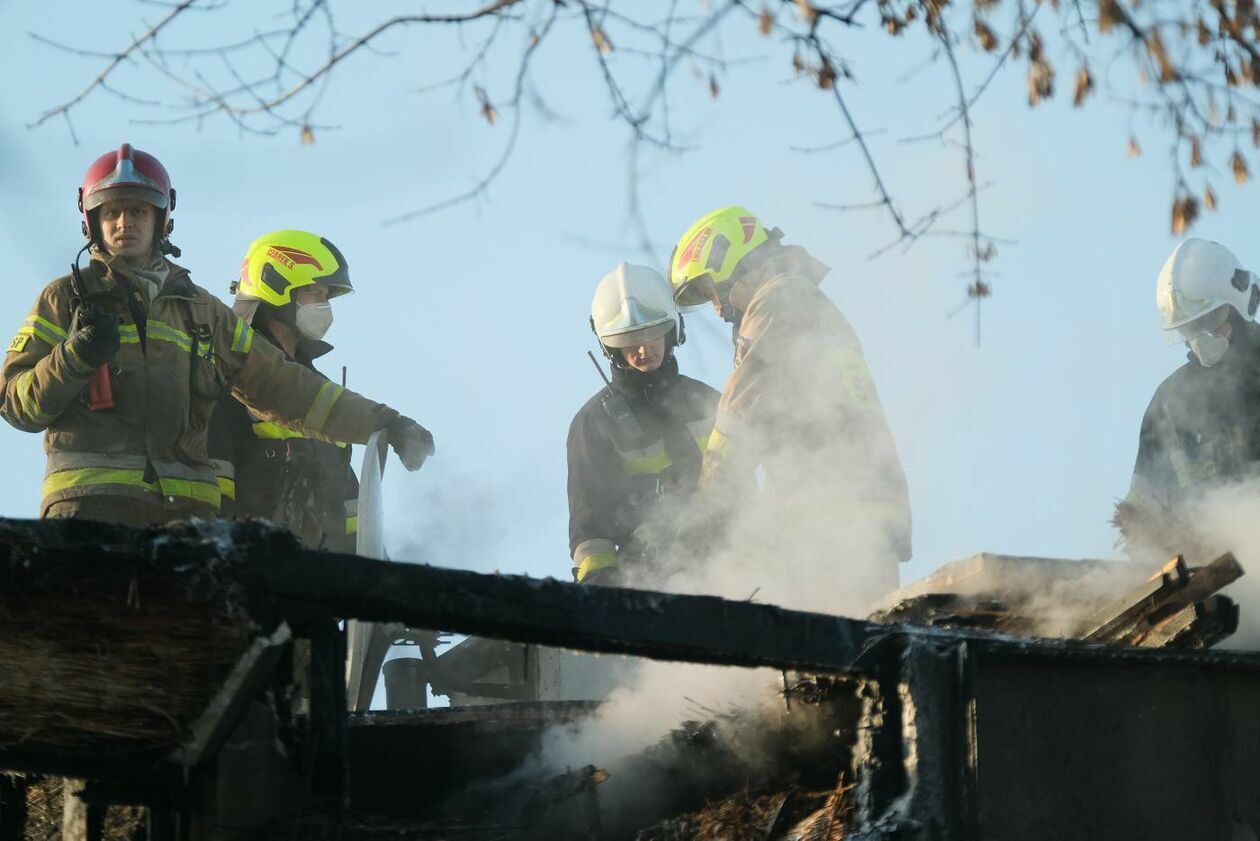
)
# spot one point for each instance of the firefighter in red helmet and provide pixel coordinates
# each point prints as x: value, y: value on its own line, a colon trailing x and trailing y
x: 121, y: 361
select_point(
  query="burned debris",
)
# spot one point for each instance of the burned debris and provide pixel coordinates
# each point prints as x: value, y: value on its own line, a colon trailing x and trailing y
x: 1177, y: 607
x: 878, y: 730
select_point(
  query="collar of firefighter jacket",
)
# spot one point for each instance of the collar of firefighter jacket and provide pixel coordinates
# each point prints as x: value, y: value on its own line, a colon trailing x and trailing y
x: 774, y: 261
x: 644, y: 385
x: 108, y: 269
x: 308, y: 350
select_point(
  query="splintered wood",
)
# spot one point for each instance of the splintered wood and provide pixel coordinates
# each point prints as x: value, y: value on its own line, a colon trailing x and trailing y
x: 1178, y: 607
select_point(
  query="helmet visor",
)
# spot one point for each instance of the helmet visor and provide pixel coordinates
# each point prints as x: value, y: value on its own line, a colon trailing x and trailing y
x: 634, y: 338
x: 124, y: 193
x: 1209, y: 322
x: 693, y: 293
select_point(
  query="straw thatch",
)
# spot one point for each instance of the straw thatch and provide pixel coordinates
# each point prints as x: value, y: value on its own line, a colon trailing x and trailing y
x: 109, y: 654
x: 44, y: 809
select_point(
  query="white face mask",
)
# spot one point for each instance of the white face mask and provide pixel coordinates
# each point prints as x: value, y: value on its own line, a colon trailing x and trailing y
x: 313, y: 320
x: 1208, y: 348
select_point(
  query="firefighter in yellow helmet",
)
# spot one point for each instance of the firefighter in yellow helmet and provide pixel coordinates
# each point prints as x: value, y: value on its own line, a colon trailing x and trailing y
x: 121, y: 362
x: 800, y: 406
x: 285, y: 291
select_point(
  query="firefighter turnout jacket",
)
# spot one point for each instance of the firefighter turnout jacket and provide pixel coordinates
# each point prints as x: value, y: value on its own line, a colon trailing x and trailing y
x: 1200, y: 433
x: 629, y: 448
x: 801, y: 407
x: 181, y: 352
x: 280, y: 474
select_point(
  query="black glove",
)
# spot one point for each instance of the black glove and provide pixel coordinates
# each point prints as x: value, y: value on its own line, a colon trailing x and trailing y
x: 410, y: 440
x: 96, y: 340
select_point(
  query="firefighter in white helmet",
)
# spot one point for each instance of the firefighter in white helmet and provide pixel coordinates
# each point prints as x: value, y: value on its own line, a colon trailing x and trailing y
x: 638, y: 441
x: 1199, y: 432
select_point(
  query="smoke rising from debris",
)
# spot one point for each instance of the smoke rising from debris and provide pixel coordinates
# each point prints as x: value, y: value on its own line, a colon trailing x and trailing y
x: 804, y: 516
x: 1225, y: 520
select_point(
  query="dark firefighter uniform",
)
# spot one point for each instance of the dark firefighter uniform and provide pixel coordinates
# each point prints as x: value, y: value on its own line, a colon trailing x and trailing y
x: 1201, y: 432
x: 625, y: 456
x: 277, y: 473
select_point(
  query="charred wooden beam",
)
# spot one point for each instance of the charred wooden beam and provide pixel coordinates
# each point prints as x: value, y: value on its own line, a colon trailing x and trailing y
x: 701, y: 629
x: 1174, y: 590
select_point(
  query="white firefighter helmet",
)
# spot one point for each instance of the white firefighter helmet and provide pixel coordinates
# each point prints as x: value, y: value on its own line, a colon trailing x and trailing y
x: 633, y: 304
x: 1198, y: 281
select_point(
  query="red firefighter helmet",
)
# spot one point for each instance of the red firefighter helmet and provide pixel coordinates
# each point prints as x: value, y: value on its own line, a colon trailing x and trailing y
x: 127, y: 174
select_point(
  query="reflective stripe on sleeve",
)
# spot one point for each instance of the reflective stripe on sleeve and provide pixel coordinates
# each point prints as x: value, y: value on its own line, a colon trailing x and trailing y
x: 242, y: 337
x: 701, y: 431
x: 593, y: 555
x: 75, y: 362
x: 42, y: 329
x: 268, y: 431
x: 26, y: 396
x: 317, y: 416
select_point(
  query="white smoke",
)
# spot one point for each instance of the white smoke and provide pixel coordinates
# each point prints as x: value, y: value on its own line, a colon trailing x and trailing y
x: 1225, y: 519
x: 800, y: 531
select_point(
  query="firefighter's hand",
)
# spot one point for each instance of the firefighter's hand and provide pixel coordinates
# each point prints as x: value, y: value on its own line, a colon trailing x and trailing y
x: 410, y: 440
x: 96, y: 340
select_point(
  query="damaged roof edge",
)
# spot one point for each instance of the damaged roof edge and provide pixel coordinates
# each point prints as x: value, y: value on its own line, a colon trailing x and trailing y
x: 699, y: 629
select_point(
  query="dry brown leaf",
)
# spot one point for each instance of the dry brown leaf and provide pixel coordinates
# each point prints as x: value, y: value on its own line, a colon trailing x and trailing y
x: 1109, y: 14
x: 1155, y: 48
x: 713, y: 86
x: 308, y: 135
x: 1209, y: 197
x: 826, y: 76
x: 988, y: 40
x: 798, y: 63
x: 487, y: 110
x: 1255, y: 132
x: 1184, y: 211
x: 1196, y: 153
x: 1238, y: 164
x: 1040, y: 82
x: 1231, y: 78
x: 1134, y: 149
x: 1036, y: 50
x: 765, y: 23
x: 894, y: 25
x: 1204, y: 34
x: 601, y: 40
x: 1084, y: 85
x: 807, y: 10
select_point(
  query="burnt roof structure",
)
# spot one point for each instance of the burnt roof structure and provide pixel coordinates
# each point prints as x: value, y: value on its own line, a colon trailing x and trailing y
x: 918, y: 731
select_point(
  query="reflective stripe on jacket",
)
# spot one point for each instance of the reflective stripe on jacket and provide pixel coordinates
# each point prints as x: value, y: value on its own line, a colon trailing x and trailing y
x: 618, y: 471
x: 168, y: 373
x: 283, y: 475
x: 801, y: 406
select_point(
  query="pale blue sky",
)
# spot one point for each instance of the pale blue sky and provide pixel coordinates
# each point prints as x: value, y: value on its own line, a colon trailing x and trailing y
x: 473, y: 321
